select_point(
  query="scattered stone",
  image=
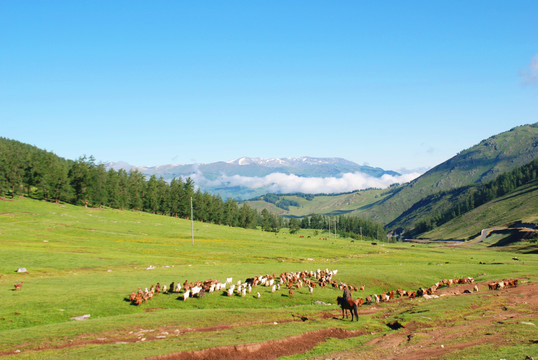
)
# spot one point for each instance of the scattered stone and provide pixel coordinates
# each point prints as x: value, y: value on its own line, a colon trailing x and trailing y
x: 81, y: 317
x: 428, y: 297
x: 151, y: 267
x: 22, y: 270
x: 527, y: 323
x: 318, y: 302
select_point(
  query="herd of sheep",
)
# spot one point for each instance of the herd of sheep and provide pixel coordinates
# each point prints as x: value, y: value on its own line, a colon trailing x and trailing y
x: 292, y: 281
x: 288, y: 280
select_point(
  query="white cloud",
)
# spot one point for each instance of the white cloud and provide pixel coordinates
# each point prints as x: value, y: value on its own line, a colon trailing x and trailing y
x: 529, y: 75
x: 285, y: 183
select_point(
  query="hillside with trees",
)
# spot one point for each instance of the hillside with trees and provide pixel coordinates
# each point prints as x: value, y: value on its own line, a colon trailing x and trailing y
x: 480, y: 163
x: 440, y: 208
x: 26, y: 170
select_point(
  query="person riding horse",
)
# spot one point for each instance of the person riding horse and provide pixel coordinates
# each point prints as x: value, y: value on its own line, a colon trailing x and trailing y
x: 347, y: 294
x: 346, y: 303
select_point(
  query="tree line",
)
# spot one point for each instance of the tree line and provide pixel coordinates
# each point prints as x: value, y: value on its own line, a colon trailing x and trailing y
x: 344, y: 225
x: 476, y: 195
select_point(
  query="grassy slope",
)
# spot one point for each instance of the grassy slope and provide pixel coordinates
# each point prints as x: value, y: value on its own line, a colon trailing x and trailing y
x: 357, y: 202
x: 480, y: 163
x: 85, y: 261
x: 520, y: 205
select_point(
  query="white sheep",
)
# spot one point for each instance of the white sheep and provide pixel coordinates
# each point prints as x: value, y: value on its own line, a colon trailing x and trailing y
x: 196, y: 290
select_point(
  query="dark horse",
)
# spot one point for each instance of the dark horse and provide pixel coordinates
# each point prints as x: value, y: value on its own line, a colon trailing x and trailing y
x: 348, y: 304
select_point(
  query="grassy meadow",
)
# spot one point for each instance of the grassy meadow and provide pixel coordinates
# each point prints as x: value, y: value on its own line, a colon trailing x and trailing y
x: 87, y: 261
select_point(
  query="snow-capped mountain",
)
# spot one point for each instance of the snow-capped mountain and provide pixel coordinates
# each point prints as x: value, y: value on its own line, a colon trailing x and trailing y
x: 247, y: 177
x: 304, y: 161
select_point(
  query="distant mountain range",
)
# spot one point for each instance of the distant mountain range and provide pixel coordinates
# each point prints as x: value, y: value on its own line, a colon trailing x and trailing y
x: 246, y: 177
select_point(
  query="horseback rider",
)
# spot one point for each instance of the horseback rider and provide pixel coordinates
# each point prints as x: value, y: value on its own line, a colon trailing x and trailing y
x: 347, y: 294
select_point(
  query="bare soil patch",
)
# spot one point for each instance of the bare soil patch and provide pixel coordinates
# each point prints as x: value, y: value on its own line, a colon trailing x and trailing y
x: 271, y: 349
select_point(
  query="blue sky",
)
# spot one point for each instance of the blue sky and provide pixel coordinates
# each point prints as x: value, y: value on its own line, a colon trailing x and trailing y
x: 391, y: 84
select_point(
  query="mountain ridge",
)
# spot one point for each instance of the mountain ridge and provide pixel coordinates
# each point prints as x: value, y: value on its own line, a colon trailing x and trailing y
x: 241, y: 178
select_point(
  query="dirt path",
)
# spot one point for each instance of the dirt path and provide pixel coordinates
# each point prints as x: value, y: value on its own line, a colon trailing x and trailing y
x: 271, y: 349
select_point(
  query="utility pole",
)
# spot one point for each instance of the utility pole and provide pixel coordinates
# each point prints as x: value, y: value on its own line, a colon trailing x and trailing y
x: 329, y: 226
x: 192, y: 225
x: 361, y: 233
x: 335, y: 229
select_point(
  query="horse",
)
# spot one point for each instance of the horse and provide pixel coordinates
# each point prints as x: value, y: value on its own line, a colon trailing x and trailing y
x: 348, y: 304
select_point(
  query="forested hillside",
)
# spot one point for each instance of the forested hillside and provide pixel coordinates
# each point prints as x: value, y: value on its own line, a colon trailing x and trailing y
x: 39, y: 174
x: 480, y: 163
x: 440, y: 208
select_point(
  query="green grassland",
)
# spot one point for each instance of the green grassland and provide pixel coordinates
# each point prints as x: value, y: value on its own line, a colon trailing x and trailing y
x: 87, y: 261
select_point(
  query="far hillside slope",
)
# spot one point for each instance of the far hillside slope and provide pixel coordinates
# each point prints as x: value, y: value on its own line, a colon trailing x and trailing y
x: 480, y: 163
x: 300, y: 205
x: 519, y: 206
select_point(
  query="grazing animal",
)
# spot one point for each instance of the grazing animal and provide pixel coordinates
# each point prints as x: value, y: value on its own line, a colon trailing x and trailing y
x: 195, y: 290
x: 186, y: 295
x: 348, y: 304
x: 18, y: 286
x: 258, y: 295
x: 362, y: 287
